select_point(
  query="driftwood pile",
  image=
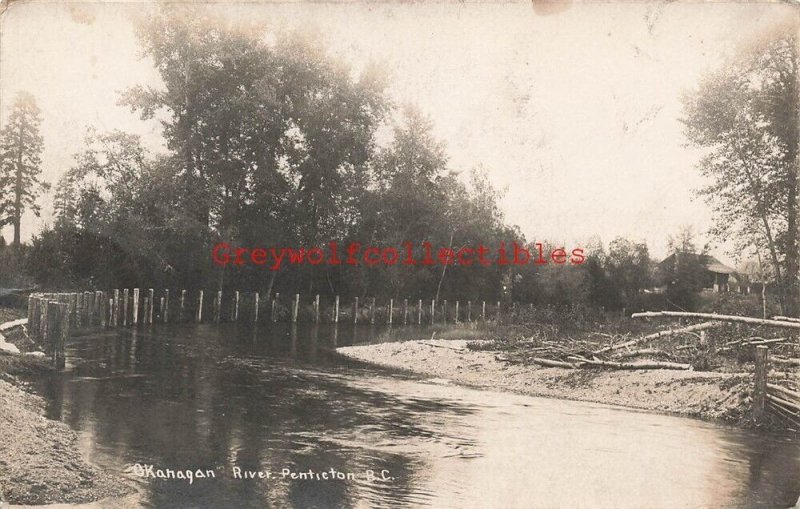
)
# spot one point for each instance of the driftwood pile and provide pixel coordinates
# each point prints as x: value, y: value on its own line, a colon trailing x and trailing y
x: 574, y: 354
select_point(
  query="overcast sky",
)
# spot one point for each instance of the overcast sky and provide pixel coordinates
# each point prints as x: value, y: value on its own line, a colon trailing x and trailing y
x: 575, y: 113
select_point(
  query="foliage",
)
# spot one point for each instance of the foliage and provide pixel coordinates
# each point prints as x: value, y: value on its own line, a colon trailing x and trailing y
x: 21, y: 147
x: 746, y: 115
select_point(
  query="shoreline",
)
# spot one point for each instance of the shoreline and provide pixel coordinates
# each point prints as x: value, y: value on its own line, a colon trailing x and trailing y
x: 724, y: 398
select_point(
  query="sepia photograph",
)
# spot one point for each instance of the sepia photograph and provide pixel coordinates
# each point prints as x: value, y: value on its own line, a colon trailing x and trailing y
x: 432, y: 254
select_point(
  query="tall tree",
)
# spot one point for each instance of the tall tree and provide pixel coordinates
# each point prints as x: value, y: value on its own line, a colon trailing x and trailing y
x: 20, y: 163
x: 746, y: 114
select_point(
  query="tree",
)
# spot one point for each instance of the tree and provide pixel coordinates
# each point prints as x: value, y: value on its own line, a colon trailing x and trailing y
x: 20, y: 163
x: 746, y: 114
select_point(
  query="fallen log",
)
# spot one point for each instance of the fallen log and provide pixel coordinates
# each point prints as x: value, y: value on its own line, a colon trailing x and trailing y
x: 723, y: 318
x: 660, y: 334
x: 642, y: 351
x: 632, y: 365
x: 792, y: 417
x: 780, y: 360
x: 784, y: 391
x: 786, y: 404
x: 786, y: 319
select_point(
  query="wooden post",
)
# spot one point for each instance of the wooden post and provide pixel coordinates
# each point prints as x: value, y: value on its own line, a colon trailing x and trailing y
x: 199, y: 313
x: 498, y: 311
x: 135, y: 317
x: 235, y: 316
x: 760, y: 384
x: 110, y: 312
x: 444, y: 311
x: 59, y: 356
x: 162, y: 307
x: 372, y: 311
x: 419, y: 312
x: 295, y: 307
x: 255, y: 307
x: 115, y: 309
x: 483, y: 311
x: 43, y: 323
x: 469, y: 311
x: 103, y: 309
x: 31, y: 303
x: 336, y: 309
x: 183, y: 305
x: 125, y: 307
x: 165, y: 310
x: 73, y: 309
x: 274, y: 305
x: 355, y: 310
x: 87, y: 308
x: 391, y: 309
x: 316, y: 308
x: 455, y: 318
x: 145, y: 307
x: 218, y: 307
x: 151, y: 294
x: 98, y: 307
x: 405, y: 311
x: 433, y: 309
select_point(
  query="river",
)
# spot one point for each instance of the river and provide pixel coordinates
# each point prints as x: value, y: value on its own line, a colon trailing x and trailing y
x: 277, y: 401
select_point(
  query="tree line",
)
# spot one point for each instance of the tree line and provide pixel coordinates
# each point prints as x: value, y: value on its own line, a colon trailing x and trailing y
x: 276, y: 143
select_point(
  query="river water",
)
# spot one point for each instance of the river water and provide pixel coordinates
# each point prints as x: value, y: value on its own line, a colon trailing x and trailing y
x: 277, y: 400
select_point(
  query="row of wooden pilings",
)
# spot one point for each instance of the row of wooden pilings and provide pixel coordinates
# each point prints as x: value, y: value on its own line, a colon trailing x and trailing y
x: 772, y: 399
x: 51, y: 315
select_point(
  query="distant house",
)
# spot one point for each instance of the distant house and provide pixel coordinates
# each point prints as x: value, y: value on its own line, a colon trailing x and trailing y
x: 718, y: 277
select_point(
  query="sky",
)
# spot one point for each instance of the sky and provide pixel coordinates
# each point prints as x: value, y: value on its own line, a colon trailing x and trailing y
x: 575, y: 114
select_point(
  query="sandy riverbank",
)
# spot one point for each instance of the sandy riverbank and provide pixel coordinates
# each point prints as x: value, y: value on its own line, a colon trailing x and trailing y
x: 40, y: 462
x: 707, y: 395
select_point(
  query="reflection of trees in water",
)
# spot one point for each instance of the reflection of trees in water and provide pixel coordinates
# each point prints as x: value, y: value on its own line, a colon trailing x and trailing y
x: 212, y: 400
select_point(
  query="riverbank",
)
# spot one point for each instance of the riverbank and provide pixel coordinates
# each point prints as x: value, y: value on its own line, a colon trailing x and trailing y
x: 40, y: 462
x: 714, y: 396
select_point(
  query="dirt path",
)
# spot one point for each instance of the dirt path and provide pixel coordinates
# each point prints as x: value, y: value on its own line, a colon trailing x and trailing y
x: 707, y: 395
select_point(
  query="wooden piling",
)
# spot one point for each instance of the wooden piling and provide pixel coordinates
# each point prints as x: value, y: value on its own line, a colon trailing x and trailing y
x: 483, y: 311
x: 162, y: 306
x: 405, y: 311
x: 31, y: 320
x: 165, y: 309
x: 135, y: 314
x: 274, y: 305
x: 372, y: 311
x: 455, y: 318
x: 115, y: 309
x: 73, y: 309
x: 336, y: 309
x: 469, y: 311
x: 145, y: 307
x: 235, y: 316
x: 110, y: 312
x: 295, y: 307
x: 419, y: 312
x: 218, y: 307
x: 87, y: 308
x: 316, y: 308
x: 760, y: 384
x: 433, y: 310
x: 199, y: 313
x: 43, y: 321
x: 355, y: 310
x: 255, y: 307
x: 151, y: 294
x: 444, y: 311
x: 391, y: 309
x: 498, y: 311
x: 125, y: 299
x: 183, y: 305
x: 61, y: 337
x: 103, y: 309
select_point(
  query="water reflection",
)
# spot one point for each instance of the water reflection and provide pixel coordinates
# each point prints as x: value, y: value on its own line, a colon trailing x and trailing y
x: 273, y: 398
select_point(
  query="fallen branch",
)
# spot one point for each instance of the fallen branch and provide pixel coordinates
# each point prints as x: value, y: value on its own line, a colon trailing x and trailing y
x: 632, y: 365
x: 786, y: 319
x: 552, y: 364
x: 661, y: 334
x: 724, y: 318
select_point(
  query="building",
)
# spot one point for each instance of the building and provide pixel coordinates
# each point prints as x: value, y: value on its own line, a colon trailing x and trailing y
x: 717, y: 277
